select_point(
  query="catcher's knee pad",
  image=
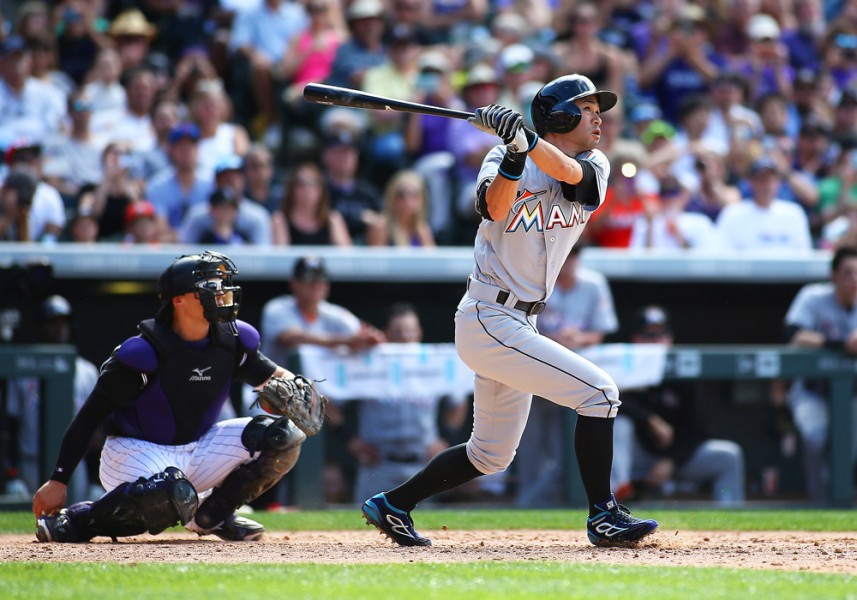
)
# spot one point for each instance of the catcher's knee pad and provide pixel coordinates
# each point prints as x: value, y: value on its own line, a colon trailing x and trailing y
x: 145, y: 505
x: 278, y: 442
x: 265, y: 432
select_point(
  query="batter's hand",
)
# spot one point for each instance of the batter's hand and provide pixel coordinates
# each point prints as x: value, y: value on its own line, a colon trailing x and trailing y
x: 49, y: 498
x: 483, y: 118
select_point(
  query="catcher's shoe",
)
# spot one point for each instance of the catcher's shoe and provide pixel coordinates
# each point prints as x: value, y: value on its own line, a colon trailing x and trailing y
x: 239, y: 529
x: 394, y: 523
x: 614, y: 525
x: 56, y: 528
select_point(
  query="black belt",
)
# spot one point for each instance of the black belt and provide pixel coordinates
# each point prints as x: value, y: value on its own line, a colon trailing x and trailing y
x: 402, y: 458
x: 530, y: 308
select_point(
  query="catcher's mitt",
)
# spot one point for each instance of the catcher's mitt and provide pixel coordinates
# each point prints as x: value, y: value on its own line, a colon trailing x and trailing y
x: 296, y: 399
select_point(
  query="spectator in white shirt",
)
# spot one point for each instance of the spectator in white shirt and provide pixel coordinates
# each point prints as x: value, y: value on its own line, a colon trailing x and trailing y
x: 134, y: 122
x: 666, y: 225
x: 764, y: 222
x: 27, y: 106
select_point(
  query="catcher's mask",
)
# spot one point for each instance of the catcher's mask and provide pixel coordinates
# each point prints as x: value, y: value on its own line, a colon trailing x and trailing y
x: 209, y: 276
x: 554, y: 109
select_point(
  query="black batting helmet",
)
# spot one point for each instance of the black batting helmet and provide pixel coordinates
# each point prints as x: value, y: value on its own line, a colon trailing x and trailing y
x: 553, y: 108
x: 209, y: 276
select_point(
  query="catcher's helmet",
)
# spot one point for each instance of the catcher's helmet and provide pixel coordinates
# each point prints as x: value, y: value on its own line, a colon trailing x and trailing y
x: 209, y: 277
x: 553, y: 108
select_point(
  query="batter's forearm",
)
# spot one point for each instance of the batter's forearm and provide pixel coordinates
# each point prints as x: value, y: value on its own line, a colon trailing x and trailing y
x: 555, y: 163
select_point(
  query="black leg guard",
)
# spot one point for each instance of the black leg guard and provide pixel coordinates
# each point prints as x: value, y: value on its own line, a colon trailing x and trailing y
x: 279, y: 443
x: 146, y: 505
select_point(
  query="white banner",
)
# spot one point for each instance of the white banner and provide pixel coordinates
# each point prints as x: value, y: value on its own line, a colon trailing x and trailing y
x: 393, y: 370
x: 388, y: 371
x: 630, y: 365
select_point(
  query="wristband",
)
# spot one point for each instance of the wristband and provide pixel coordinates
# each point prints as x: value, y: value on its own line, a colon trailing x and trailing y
x: 512, y: 165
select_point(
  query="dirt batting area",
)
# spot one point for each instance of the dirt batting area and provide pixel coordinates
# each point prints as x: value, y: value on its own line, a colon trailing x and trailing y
x: 781, y: 550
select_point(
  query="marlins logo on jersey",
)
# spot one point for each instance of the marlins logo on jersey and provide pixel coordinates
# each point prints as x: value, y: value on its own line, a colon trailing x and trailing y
x: 539, y: 218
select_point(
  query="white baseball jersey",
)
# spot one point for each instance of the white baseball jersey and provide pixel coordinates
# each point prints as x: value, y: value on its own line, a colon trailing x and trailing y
x: 525, y: 252
x: 518, y: 259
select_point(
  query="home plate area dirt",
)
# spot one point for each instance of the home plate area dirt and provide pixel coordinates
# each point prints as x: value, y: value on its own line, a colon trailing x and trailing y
x: 781, y: 550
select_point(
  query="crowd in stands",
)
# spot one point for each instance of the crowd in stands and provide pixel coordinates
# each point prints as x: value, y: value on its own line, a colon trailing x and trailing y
x: 125, y: 122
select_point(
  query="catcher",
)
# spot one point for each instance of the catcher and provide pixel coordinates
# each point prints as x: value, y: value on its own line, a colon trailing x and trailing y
x: 159, y: 395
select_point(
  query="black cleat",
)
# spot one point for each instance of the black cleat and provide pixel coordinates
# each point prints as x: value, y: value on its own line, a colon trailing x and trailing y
x: 614, y: 525
x: 238, y: 529
x: 394, y: 523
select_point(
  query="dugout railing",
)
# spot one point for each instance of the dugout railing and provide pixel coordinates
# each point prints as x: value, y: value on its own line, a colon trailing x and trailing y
x: 734, y: 363
x: 54, y: 367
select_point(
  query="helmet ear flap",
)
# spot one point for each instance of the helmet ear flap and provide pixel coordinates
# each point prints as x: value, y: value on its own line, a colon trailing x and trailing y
x: 563, y: 117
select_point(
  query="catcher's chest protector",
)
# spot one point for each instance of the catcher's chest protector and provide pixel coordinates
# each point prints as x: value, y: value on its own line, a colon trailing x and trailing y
x: 194, y: 380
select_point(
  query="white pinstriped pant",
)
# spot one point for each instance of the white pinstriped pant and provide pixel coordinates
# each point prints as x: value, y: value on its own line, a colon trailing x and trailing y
x: 205, y: 463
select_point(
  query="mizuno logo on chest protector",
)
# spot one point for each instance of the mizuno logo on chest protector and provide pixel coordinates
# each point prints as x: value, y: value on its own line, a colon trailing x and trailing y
x: 200, y: 374
x: 544, y: 219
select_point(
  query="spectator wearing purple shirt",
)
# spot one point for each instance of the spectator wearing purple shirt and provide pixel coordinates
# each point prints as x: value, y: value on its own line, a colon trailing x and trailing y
x: 680, y: 62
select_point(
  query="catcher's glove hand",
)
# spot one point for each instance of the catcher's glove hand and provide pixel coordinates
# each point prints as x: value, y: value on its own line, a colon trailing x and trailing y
x: 296, y: 399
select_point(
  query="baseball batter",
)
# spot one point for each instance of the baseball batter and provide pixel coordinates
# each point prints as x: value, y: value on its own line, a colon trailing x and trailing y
x: 159, y: 395
x: 535, y: 195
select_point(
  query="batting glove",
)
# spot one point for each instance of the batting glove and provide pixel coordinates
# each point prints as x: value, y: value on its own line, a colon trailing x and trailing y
x: 524, y: 140
x: 483, y: 119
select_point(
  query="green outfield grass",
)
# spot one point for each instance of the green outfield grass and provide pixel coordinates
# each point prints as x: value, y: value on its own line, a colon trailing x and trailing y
x: 540, y: 580
x: 470, y: 581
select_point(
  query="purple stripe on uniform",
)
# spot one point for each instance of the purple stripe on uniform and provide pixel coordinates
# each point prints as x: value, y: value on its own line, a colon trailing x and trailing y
x: 248, y: 336
x: 138, y: 354
x: 208, y: 418
x: 151, y: 418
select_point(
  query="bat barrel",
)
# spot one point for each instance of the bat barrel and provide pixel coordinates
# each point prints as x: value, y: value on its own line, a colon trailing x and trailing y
x: 320, y: 93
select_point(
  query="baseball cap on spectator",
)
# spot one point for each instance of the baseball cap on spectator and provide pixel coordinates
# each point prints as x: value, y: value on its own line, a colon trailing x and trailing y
x: 814, y: 126
x: 402, y: 34
x: 364, y: 9
x: 132, y: 23
x: 184, y: 131
x: 479, y: 75
x: 516, y: 58
x: 657, y: 129
x: 509, y: 25
x: 310, y: 268
x: 433, y: 61
x: 339, y: 139
x: 223, y: 196
x: 483, y: 51
x: 55, y: 306
x: 763, y: 164
x: 645, y: 111
x: 338, y: 118
x: 233, y: 162
x: 23, y: 150
x: 651, y: 321
x: 690, y: 15
x: 139, y: 209
x: 763, y: 27
x: 12, y: 44
x: 847, y: 42
x: 806, y: 78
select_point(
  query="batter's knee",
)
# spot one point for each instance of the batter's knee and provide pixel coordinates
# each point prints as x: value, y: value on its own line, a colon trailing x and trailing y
x: 604, y: 403
x: 486, y: 461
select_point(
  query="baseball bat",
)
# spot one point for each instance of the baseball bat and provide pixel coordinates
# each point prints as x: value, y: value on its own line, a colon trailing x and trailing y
x: 321, y: 93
